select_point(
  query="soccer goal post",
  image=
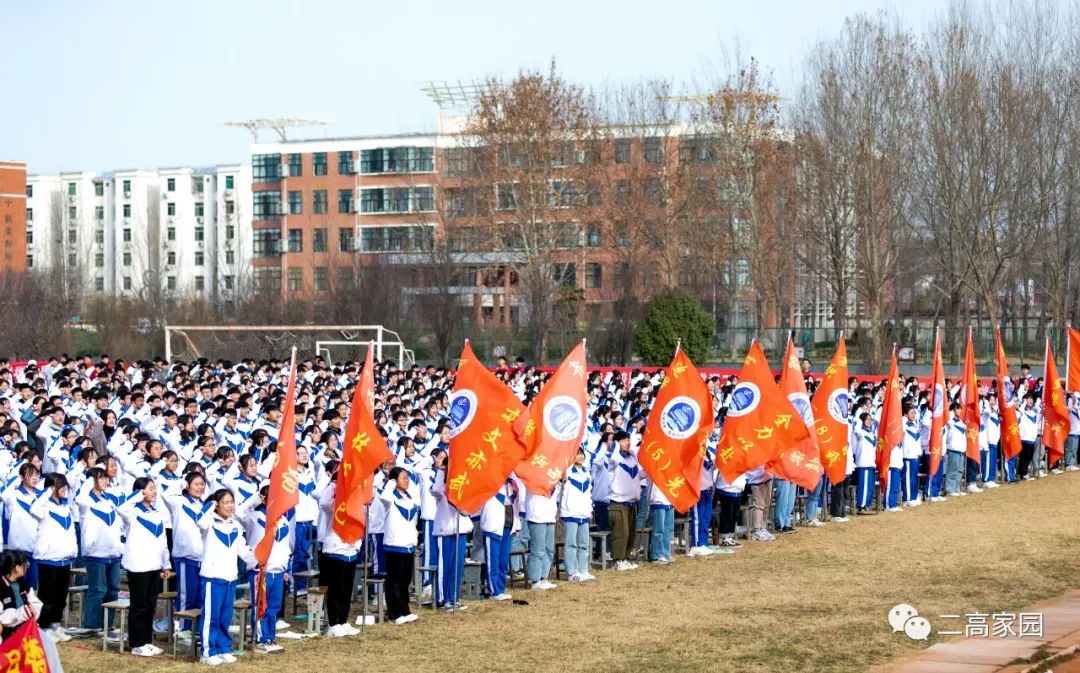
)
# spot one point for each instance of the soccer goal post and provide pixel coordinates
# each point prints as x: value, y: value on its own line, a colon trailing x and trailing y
x: 261, y: 342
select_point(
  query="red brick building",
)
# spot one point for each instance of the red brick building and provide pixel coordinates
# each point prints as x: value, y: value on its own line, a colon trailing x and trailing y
x: 12, y: 216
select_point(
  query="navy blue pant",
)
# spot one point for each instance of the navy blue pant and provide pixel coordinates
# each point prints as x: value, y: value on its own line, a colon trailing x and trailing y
x: 497, y: 557
x: 450, y: 569
x: 217, y: 598
x: 701, y: 518
x: 302, y: 550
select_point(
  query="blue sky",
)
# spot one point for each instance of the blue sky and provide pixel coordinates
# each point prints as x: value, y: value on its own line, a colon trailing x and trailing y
x: 109, y: 84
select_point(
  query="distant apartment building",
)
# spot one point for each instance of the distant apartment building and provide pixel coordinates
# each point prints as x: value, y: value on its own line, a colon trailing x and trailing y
x: 163, y: 233
x: 13, y: 216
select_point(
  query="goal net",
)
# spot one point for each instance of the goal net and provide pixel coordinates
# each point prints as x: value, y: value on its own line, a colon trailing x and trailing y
x: 337, y: 343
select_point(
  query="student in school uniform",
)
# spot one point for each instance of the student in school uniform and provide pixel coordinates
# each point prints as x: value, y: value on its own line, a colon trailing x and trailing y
x: 54, y: 549
x: 22, y: 527
x: 146, y: 560
x: 663, y: 526
x: 700, y: 515
x: 955, y: 449
x: 452, y: 531
x: 18, y: 601
x: 307, y: 512
x: 729, y: 496
x: 761, y: 490
x: 428, y: 504
x: 911, y: 450
x: 189, y: 512
x: 894, y: 478
x: 626, y: 477
x: 865, y: 463
x: 224, y: 547
x: 337, y: 569
x: 992, y: 423
x: 1028, y: 418
x: 1073, y: 440
x: 497, y: 521
x: 399, y: 542
x: 252, y: 514
x: 601, y: 489
x: 102, y: 546
x: 541, y: 512
x: 575, y: 511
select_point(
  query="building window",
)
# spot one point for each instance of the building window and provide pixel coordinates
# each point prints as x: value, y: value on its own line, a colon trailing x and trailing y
x: 653, y: 150
x: 230, y: 257
x: 265, y: 168
x: 170, y: 283
x: 99, y: 284
x: 29, y: 236
x: 344, y: 201
x: 127, y: 235
x: 170, y: 185
x: 296, y: 166
x: 170, y: 208
x: 200, y: 209
x: 170, y: 234
x: 265, y: 243
x: 72, y: 189
x: 296, y: 240
x: 73, y: 261
x: 345, y: 165
x: 29, y: 261
x: 397, y: 200
x: 593, y: 277
x: 199, y: 283
x: 296, y: 203
x: 230, y: 207
x: 127, y: 282
x: 99, y: 188
x: 127, y: 186
x: 296, y: 279
x: 346, y: 240
x: 199, y: 259
x: 230, y: 232
x: 322, y: 279
x: 396, y: 239
x: 622, y: 233
x: 398, y: 160
x: 318, y: 163
x: 268, y: 277
x: 99, y: 236
x: 73, y: 213
x: 99, y: 260
x: 592, y: 235
x: 267, y: 205
x: 319, y: 201
x: 200, y: 232
x: 127, y: 259
x: 127, y: 210
x: 228, y: 182
x: 170, y: 259
x: 344, y: 277
x: 99, y: 213
x: 228, y: 282
x: 318, y: 240
x: 73, y: 236
x: 29, y: 191
x: 29, y: 214
x: 565, y: 274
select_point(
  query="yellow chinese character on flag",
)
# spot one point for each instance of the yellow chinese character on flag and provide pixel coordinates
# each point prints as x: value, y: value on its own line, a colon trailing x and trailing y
x: 459, y: 483
x: 476, y: 459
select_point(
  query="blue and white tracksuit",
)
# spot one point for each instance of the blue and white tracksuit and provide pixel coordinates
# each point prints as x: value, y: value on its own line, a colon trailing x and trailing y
x: 224, y: 546
x: 498, y: 530
x: 452, y: 532
x: 188, y: 515
x: 254, y: 522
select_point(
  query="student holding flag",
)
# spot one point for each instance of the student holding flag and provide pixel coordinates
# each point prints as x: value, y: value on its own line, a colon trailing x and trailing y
x: 911, y: 451
x: 831, y: 407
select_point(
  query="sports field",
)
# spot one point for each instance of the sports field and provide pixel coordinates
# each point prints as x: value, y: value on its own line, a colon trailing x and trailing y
x: 812, y: 601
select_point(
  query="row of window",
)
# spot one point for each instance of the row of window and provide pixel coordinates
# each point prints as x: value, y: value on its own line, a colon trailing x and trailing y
x: 267, y: 167
x: 170, y: 209
x: 388, y: 200
x: 99, y: 187
x: 266, y: 242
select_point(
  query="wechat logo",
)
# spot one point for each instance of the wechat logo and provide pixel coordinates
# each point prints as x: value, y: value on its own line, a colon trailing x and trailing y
x: 906, y: 618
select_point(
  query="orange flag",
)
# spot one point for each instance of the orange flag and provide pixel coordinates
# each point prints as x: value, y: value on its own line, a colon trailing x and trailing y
x: 553, y: 427
x: 283, y: 494
x: 1009, y: 444
x: 1055, y: 411
x: 891, y: 426
x: 1073, y: 370
x: 831, y: 406
x: 939, y: 404
x: 484, y: 449
x: 759, y: 420
x: 361, y: 454
x: 673, y: 445
x: 800, y: 464
x: 969, y: 401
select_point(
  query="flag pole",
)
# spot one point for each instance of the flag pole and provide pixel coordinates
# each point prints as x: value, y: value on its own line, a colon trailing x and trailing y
x: 457, y: 551
x: 366, y: 564
x: 1068, y: 356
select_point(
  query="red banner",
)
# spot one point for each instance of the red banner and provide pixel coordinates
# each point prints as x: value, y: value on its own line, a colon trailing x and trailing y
x: 891, y: 427
x: 800, y: 463
x: 24, y: 651
x: 830, y: 407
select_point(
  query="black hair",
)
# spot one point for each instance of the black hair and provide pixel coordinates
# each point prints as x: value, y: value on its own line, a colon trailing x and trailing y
x: 394, y: 472
x: 140, y: 483
x: 11, y: 559
x: 192, y: 476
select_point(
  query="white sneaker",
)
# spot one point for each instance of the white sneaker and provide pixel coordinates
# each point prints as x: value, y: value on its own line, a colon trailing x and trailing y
x: 539, y: 586
x: 502, y: 597
x: 58, y: 635
x: 974, y: 488
x: 633, y: 566
x: 282, y: 625
x: 145, y: 651
x: 264, y: 648
x: 228, y: 658
x: 335, y: 631
x: 895, y: 509
x: 1056, y: 470
x: 589, y: 577
x: 622, y: 565
x: 114, y: 637
x: 412, y: 617
x: 426, y: 593
x: 402, y: 620
x: 840, y: 519
x: 549, y: 583
x: 155, y: 649
x: 815, y: 523
x: 608, y: 557
x: 212, y: 661
x: 991, y: 484
x: 1072, y: 468
x: 350, y: 630
x: 161, y: 626
x: 576, y: 577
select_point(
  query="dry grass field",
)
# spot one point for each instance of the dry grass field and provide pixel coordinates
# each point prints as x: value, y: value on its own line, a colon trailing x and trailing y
x: 813, y: 601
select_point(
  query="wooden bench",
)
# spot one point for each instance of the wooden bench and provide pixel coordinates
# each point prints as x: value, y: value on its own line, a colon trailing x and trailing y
x: 316, y: 604
x: 193, y: 615
x: 472, y: 576
x: 599, y: 538
x: 418, y: 584
x: 379, y: 584
x: 243, y: 606
x: 121, y: 606
x: 76, y: 594
x: 310, y: 576
x: 643, y: 542
x: 524, y: 555
x: 683, y: 536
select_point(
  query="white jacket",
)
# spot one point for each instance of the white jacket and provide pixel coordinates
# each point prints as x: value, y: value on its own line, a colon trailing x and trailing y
x: 576, y: 502
x: 224, y: 546
x: 55, y: 542
x: 102, y: 528
x: 22, y: 525
x: 542, y: 508
x: 188, y: 516
x: 402, y: 514
x: 254, y: 521
x: 493, y: 514
x: 626, y: 476
x: 448, y: 519
x: 332, y: 545
x: 146, y: 547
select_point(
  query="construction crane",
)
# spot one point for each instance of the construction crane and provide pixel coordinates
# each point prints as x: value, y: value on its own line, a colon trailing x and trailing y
x: 278, y: 125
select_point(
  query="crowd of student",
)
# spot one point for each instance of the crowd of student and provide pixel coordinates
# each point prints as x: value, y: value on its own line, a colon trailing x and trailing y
x: 161, y: 470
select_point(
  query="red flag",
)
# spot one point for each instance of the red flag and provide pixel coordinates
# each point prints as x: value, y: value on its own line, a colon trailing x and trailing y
x: 1009, y: 443
x: 831, y: 405
x: 969, y: 401
x: 800, y: 464
x: 938, y: 405
x: 673, y: 445
x: 891, y: 426
x: 484, y: 449
x: 1055, y: 411
x: 361, y: 454
x: 759, y: 420
x: 1073, y: 370
x: 283, y: 494
x: 553, y: 426
x: 24, y: 651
